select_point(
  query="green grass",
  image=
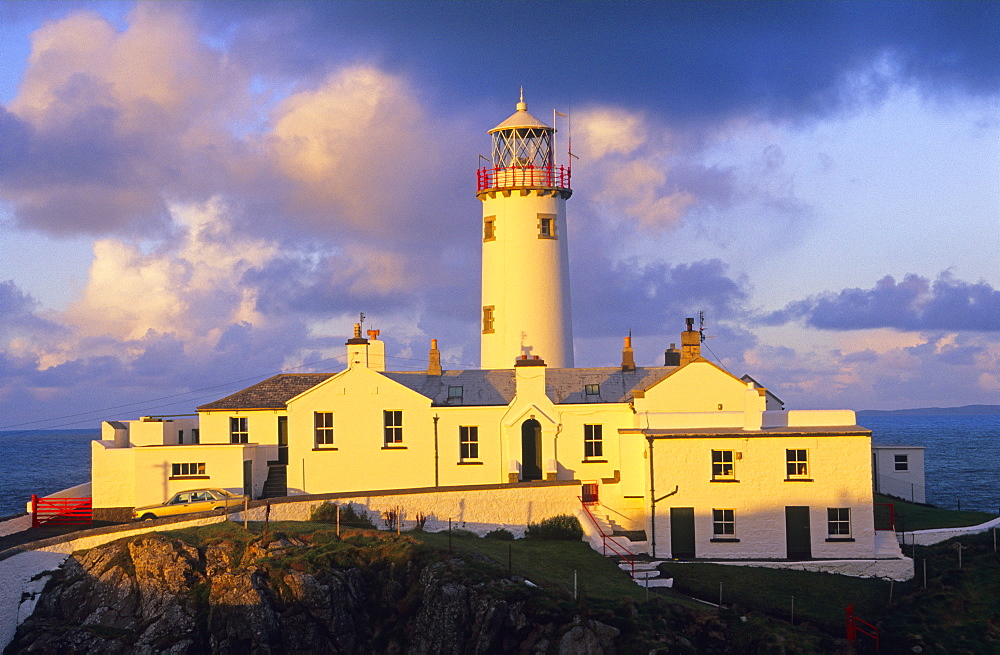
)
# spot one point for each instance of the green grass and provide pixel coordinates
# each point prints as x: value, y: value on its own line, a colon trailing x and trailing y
x: 819, y: 598
x: 912, y: 516
x: 547, y: 563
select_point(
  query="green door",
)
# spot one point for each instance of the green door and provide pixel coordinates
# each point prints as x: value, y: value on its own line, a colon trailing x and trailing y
x: 282, y: 439
x: 682, y: 532
x: 797, y: 533
x: 531, y: 450
x: 248, y: 478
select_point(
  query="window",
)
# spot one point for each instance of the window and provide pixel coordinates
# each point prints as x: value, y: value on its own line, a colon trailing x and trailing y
x: 195, y: 435
x: 393, y: 420
x: 468, y: 442
x: 902, y: 462
x: 592, y: 389
x: 180, y: 437
x: 838, y: 521
x: 546, y: 226
x: 797, y: 466
x: 723, y: 522
x: 455, y: 393
x: 489, y: 228
x: 186, y: 469
x: 323, y: 422
x: 593, y: 442
x: 722, y: 465
x: 488, y: 319
x: 238, y: 432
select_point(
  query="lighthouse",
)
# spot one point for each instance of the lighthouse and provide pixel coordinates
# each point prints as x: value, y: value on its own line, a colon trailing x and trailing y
x: 526, y: 298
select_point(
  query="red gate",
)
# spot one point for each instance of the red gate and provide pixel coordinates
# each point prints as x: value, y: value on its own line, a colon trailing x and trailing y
x: 856, y: 625
x: 60, y: 511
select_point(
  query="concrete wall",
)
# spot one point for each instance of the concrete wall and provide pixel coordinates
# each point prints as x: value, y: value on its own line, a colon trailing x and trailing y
x: 839, y: 477
x: 908, y: 484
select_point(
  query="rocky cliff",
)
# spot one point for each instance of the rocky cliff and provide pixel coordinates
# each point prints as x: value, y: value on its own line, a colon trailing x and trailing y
x: 367, y: 593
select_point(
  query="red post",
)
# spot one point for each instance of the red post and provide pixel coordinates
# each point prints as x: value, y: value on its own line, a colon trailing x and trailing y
x: 852, y: 634
x: 34, y: 511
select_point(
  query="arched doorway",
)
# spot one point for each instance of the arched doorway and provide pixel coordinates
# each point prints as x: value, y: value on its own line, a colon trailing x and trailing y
x: 531, y: 450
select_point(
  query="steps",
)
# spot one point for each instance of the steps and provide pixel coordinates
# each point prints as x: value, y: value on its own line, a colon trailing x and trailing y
x: 886, y: 545
x: 276, y: 484
x: 647, y: 574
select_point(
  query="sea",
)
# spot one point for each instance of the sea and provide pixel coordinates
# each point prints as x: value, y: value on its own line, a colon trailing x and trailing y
x: 962, y: 458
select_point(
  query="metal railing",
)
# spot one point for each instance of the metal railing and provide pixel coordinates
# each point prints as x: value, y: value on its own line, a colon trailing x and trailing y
x: 856, y: 625
x: 60, y: 511
x: 527, y: 176
x: 609, y: 542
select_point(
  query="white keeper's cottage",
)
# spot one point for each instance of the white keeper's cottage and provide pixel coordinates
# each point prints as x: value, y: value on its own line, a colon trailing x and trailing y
x: 689, y: 460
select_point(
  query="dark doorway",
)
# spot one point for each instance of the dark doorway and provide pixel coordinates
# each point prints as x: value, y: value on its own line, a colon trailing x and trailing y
x: 248, y: 478
x: 282, y: 439
x: 531, y: 450
x: 797, y: 533
x: 682, y: 532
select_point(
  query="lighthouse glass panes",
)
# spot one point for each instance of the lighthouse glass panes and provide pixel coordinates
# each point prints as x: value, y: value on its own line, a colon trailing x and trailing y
x: 522, y: 147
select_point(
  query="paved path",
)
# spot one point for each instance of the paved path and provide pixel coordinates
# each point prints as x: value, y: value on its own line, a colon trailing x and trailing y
x: 17, y: 524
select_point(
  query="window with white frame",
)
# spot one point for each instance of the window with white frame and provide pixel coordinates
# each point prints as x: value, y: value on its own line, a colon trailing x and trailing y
x: 902, y: 462
x: 238, y: 432
x: 468, y: 442
x: 797, y: 464
x: 723, y: 467
x: 187, y: 469
x: 323, y: 425
x: 393, y: 422
x: 593, y: 441
x: 723, y: 523
x: 838, y: 521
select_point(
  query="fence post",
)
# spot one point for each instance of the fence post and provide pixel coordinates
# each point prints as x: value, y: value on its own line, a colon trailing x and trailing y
x: 34, y: 511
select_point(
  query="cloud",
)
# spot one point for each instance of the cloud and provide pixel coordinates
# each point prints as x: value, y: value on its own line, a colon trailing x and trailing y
x: 913, y: 304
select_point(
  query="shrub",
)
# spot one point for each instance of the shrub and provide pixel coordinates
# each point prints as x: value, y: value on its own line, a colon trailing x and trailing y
x: 500, y: 534
x: 562, y: 527
x: 349, y: 517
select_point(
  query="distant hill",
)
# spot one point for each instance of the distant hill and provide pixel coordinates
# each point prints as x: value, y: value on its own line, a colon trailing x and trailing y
x: 932, y: 411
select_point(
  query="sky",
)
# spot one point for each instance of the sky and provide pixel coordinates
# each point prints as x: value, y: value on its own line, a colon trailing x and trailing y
x: 195, y: 196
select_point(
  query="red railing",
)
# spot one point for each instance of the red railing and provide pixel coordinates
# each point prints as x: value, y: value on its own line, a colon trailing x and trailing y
x: 528, y: 176
x: 60, y: 511
x: 885, y: 519
x: 856, y: 625
x: 609, y: 542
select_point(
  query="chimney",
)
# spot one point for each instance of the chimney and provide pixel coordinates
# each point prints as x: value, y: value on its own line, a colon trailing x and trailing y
x: 672, y: 356
x: 628, y: 357
x: 376, y: 351
x: 434, y: 359
x: 357, y: 349
x: 690, y: 343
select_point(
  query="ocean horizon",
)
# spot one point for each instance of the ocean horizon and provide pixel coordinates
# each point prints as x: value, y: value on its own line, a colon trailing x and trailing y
x: 959, y: 456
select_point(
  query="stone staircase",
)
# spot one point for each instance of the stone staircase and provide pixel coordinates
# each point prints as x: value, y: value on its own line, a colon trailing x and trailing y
x: 276, y: 484
x: 887, y: 545
x: 645, y: 572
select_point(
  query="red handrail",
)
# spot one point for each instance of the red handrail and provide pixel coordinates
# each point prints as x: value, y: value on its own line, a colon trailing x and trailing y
x: 616, y: 547
x: 853, y: 629
x: 60, y: 511
x: 526, y: 176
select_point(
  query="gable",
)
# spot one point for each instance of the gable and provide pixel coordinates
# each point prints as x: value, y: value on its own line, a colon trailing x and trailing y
x: 700, y: 386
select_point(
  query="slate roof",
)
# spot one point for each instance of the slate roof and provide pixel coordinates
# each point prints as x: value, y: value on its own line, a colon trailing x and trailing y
x: 479, y: 387
x: 272, y: 393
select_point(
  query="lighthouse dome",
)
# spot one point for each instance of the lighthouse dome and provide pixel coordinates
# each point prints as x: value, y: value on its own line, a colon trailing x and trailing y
x: 520, y: 119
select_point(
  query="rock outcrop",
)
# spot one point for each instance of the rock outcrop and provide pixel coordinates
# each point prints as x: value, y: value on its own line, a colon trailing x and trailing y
x: 375, y: 594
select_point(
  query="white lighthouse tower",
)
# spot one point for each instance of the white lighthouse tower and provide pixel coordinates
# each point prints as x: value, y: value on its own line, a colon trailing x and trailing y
x: 526, y: 303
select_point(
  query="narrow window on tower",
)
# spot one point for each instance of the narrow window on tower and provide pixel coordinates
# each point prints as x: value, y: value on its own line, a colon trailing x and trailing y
x: 489, y: 228
x: 488, y: 319
x: 546, y: 226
